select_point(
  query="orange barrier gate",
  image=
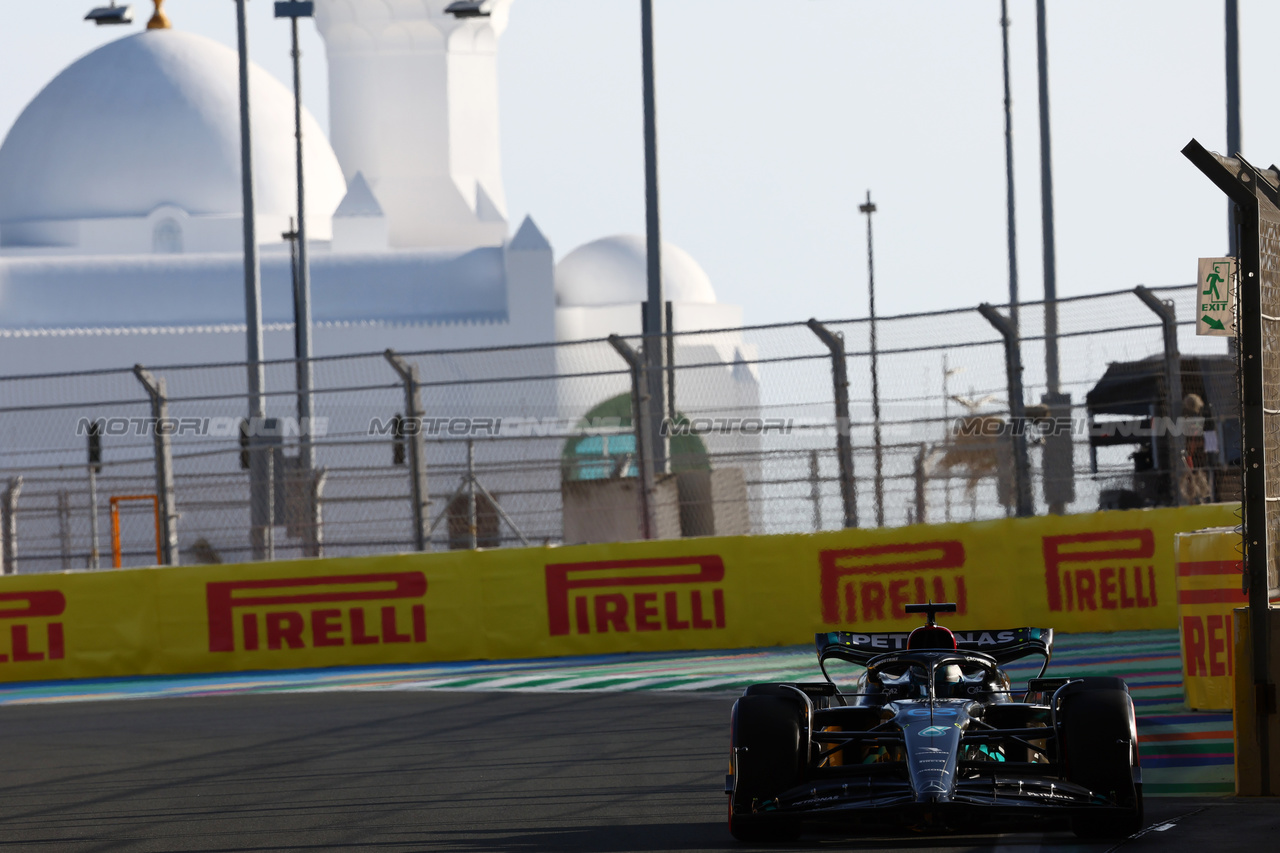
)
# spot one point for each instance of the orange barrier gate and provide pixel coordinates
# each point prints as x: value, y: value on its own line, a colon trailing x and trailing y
x: 117, y: 555
x: 1107, y: 571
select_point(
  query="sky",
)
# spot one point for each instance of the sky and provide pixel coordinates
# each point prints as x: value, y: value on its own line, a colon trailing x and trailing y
x: 776, y: 118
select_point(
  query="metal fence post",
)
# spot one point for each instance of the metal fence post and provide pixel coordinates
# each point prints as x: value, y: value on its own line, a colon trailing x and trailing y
x: 921, y: 475
x: 263, y: 438
x: 418, y: 494
x: 472, y: 537
x: 815, y: 490
x: 1017, y: 409
x: 64, y: 528
x: 160, y: 429
x: 94, y: 557
x: 844, y: 444
x: 1173, y: 387
x: 313, y: 541
x: 1057, y: 455
x: 671, y: 367
x: 656, y: 373
x: 9, y: 510
x: 640, y: 412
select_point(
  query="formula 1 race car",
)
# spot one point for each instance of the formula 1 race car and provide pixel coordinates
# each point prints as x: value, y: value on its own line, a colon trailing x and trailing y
x: 927, y: 734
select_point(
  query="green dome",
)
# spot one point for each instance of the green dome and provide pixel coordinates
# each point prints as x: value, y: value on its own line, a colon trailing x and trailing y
x: 608, y: 454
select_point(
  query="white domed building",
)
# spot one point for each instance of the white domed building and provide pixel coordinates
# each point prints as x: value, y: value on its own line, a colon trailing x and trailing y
x: 600, y: 290
x: 135, y: 149
x: 121, y: 208
x: 121, y: 218
x: 599, y: 285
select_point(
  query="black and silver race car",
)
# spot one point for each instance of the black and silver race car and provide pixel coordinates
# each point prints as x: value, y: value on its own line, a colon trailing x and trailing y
x: 928, y: 734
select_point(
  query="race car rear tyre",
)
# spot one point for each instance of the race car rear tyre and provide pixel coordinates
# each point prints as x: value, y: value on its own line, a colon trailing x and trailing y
x: 1101, y: 752
x: 768, y: 746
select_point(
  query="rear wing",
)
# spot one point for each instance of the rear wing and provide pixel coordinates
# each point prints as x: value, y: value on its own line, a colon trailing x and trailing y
x: 1005, y: 646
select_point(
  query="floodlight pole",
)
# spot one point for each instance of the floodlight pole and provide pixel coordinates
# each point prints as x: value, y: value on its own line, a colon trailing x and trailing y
x: 260, y: 485
x: 302, y: 350
x: 1233, y: 110
x: 1052, y: 379
x: 870, y: 208
x: 1008, y: 168
x: 653, y: 308
x: 1057, y: 453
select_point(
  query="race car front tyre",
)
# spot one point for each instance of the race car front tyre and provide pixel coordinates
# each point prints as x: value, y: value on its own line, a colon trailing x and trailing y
x: 767, y: 743
x: 1101, y: 751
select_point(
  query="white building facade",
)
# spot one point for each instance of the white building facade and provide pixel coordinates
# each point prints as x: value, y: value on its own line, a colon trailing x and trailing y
x: 121, y: 218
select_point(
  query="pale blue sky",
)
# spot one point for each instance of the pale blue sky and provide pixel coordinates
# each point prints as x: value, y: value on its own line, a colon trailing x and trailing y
x: 776, y: 117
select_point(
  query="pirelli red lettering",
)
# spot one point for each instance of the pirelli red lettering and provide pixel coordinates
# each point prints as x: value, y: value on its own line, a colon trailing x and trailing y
x: 1107, y: 570
x: 687, y: 595
x: 1208, y: 643
x: 269, y: 615
x: 30, y: 640
x: 877, y: 582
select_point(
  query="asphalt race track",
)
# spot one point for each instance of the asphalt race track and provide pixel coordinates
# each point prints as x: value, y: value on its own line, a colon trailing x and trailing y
x: 402, y: 771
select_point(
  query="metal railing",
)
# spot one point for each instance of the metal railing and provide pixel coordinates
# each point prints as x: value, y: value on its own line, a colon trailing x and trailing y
x: 772, y: 432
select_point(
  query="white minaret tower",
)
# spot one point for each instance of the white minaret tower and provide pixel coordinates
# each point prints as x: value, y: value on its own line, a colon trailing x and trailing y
x: 413, y: 106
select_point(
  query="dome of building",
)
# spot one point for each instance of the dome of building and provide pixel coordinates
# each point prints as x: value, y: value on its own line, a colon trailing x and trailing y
x: 153, y: 120
x: 614, y: 270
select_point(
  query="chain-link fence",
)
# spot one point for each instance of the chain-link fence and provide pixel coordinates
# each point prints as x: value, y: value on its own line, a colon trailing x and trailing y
x: 537, y: 444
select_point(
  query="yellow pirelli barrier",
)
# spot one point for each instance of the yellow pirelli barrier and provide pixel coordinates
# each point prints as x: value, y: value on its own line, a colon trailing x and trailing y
x: 1100, y: 572
x: 1209, y: 587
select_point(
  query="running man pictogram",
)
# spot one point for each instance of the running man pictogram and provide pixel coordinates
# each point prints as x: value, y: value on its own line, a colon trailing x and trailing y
x: 1213, y: 281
